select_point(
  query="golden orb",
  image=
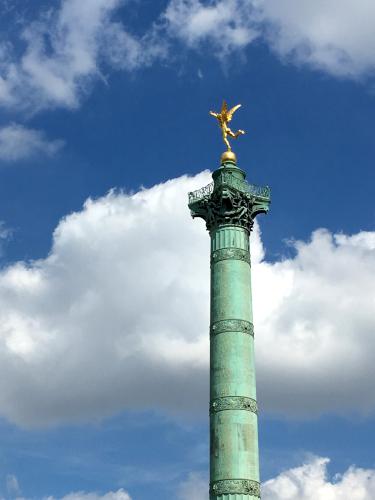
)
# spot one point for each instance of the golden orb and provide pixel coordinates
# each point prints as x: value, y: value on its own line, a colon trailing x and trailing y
x: 228, y: 156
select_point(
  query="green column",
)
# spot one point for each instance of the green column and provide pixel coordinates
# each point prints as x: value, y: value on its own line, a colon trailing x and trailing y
x: 229, y: 206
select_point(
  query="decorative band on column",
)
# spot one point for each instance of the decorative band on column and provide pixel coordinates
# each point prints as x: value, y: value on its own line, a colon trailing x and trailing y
x: 230, y: 254
x: 232, y: 325
x: 235, y: 487
x: 233, y: 403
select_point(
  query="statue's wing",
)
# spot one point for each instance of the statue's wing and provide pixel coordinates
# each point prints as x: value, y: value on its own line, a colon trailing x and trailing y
x: 231, y: 112
x: 224, y: 107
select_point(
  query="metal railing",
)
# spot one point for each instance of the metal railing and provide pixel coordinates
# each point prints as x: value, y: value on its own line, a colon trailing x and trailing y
x: 227, y: 179
x: 201, y: 193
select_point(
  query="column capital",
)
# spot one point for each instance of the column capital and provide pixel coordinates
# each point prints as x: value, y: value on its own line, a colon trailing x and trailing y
x: 229, y: 199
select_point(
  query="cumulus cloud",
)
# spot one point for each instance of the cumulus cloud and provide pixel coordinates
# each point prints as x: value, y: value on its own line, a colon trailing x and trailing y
x: 116, y: 316
x: 81, y: 495
x: 6, y: 234
x: 314, y: 315
x: 14, y: 491
x: 311, y: 482
x: 195, y: 22
x: 337, y: 38
x: 65, y: 50
x: 12, y: 485
x: 195, y: 486
x: 18, y: 142
x: 68, y: 47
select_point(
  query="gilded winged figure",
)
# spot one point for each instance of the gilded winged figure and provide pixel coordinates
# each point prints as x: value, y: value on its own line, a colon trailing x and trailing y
x: 224, y: 117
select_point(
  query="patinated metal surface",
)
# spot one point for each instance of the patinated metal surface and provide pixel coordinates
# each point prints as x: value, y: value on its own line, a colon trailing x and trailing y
x: 229, y: 207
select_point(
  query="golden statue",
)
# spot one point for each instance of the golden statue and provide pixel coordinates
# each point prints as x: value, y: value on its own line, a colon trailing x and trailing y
x: 224, y: 117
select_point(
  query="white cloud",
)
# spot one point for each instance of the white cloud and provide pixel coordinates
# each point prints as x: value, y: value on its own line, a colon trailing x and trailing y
x: 310, y: 482
x: 5, y: 232
x: 218, y: 22
x: 18, y: 143
x: 195, y: 486
x: 314, y: 316
x: 66, y: 48
x: 106, y: 321
x: 5, y: 235
x: 81, y: 495
x: 70, y: 46
x: 12, y: 485
x: 337, y: 37
x: 116, y: 317
x: 14, y: 492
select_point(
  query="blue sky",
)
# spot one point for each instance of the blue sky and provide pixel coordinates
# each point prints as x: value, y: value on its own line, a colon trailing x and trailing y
x: 104, y: 128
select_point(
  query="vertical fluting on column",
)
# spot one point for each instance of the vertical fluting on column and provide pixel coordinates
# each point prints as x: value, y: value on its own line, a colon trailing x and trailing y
x: 229, y: 207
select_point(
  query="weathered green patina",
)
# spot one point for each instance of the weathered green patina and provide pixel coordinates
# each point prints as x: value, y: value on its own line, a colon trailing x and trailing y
x: 229, y: 206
